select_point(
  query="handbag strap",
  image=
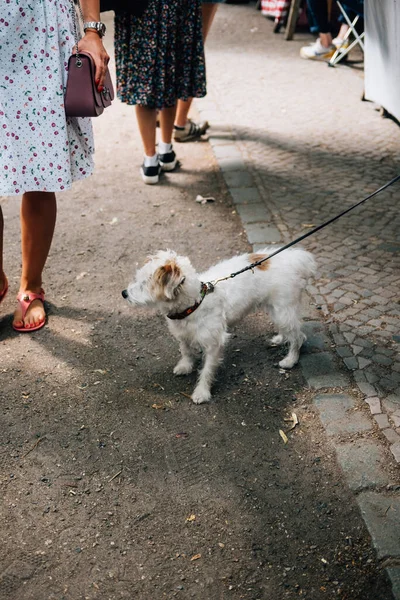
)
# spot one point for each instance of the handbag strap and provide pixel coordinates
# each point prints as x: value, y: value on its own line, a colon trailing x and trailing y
x: 75, y: 23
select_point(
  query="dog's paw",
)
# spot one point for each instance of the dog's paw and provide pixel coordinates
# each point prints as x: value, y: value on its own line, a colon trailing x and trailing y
x: 201, y: 396
x: 287, y: 363
x: 183, y: 368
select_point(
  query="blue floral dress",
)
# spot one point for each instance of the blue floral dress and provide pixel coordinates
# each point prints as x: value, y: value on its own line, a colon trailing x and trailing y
x: 39, y: 149
x: 160, y: 56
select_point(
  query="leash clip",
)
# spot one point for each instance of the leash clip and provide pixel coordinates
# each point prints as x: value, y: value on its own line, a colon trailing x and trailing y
x: 209, y: 287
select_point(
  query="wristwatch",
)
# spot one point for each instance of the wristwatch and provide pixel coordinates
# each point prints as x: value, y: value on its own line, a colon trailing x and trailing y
x: 97, y: 26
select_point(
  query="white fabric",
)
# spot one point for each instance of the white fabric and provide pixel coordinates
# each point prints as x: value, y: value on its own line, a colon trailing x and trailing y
x: 164, y: 148
x: 39, y: 149
x: 382, y: 55
x: 151, y: 161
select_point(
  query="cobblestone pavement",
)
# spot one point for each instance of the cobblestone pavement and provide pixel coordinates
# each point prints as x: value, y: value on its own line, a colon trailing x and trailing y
x: 296, y: 146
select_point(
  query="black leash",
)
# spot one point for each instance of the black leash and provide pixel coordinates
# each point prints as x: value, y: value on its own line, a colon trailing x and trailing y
x: 303, y: 237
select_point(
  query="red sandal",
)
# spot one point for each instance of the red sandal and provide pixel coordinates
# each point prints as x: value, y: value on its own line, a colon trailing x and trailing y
x: 4, y: 291
x: 25, y: 299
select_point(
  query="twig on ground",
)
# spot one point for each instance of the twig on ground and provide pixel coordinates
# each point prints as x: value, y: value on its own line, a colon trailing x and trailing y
x: 34, y: 446
x: 114, y: 476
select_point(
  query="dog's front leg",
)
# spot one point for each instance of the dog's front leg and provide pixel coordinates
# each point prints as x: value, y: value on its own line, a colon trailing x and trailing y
x: 212, y: 358
x: 186, y: 363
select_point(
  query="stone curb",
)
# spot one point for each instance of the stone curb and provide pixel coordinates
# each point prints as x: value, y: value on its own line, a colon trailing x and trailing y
x: 361, y: 456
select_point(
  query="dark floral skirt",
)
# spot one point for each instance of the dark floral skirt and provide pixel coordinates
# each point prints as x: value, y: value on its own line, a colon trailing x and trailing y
x: 160, y: 56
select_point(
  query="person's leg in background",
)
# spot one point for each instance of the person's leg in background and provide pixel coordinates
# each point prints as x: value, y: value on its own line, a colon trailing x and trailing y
x: 323, y: 48
x: 166, y: 154
x: 38, y: 219
x: 165, y: 158
x: 185, y: 129
x: 353, y: 9
x: 146, y: 119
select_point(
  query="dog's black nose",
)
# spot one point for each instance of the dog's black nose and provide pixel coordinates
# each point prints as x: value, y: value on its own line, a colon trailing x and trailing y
x: 124, y: 294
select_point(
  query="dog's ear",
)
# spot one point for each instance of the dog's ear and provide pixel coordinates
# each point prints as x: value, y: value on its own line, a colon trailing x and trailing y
x: 167, y: 280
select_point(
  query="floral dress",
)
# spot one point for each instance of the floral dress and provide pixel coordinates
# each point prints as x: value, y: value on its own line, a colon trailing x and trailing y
x: 159, y: 56
x: 40, y: 150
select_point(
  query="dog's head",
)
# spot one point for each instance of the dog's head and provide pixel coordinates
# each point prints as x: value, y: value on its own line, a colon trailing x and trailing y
x: 160, y: 281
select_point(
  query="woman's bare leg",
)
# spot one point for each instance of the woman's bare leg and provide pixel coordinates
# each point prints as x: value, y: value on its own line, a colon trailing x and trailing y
x: 326, y: 39
x: 208, y: 13
x: 38, y: 218
x: 167, y: 117
x: 146, y: 118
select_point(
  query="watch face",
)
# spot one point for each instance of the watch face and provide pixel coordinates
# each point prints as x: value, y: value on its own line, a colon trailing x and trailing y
x: 102, y: 28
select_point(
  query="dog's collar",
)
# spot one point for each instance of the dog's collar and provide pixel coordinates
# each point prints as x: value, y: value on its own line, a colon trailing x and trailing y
x: 206, y: 288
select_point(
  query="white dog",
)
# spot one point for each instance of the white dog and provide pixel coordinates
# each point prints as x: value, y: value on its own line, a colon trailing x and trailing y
x: 199, y: 319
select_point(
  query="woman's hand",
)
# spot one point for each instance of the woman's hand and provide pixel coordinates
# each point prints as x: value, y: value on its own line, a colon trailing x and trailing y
x: 93, y: 45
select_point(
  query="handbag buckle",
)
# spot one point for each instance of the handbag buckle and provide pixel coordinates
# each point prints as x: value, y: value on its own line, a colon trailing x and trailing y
x: 106, y: 93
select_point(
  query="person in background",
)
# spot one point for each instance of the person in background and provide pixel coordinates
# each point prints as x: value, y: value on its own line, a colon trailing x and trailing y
x: 41, y: 151
x: 185, y: 129
x: 159, y: 58
x: 325, y: 46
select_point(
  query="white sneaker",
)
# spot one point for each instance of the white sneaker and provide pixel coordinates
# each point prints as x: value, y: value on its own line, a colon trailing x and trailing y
x: 341, y: 43
x: 191, y: 131
x: 317, y: 51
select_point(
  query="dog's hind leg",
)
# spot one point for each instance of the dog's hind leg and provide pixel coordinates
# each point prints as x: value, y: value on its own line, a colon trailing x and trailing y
x: 186, y: 363
x: 292, y: 357
x: 212, y: 358
x: 289, y: 326
x: 278, y: 339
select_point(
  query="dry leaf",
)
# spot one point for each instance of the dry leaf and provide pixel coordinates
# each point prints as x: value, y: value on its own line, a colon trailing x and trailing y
x: 191, y: 518
x: 295, y: 421
x: 196, y: 557
x: 158, y: 406
x: 283, y: 436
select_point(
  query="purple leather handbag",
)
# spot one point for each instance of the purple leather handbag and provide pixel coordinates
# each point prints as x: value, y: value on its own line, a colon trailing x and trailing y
x: 82, y: 98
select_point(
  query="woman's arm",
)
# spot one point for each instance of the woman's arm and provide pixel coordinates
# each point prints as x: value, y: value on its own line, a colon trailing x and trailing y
x: 91, y: 10
x: 92, y: 42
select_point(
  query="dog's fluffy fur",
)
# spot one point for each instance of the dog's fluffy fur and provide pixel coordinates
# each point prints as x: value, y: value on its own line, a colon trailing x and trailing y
x: 169, y: 283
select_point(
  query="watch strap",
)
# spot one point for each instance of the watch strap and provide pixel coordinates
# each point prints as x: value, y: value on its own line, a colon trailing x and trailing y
x: 96, y: 25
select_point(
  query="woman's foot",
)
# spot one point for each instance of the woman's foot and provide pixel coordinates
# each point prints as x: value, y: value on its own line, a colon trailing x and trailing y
x: 30, y: 314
